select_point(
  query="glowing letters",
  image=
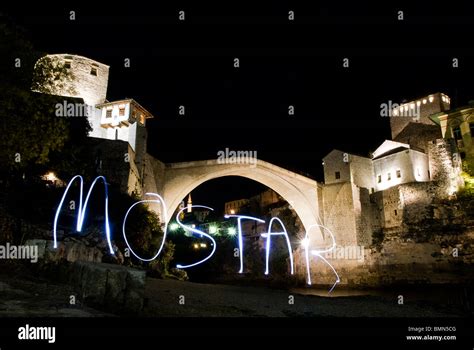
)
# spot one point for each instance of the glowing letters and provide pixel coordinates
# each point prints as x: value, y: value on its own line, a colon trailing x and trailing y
x: 269, y: 235
x: 240, y: 238
x: 82, y: 209
x: 159, y: 200
x: 318, y: 253
x: 195, y: 230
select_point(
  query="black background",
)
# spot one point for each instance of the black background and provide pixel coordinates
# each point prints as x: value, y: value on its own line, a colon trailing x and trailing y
x: 299, y: 63
x: 282, y: 63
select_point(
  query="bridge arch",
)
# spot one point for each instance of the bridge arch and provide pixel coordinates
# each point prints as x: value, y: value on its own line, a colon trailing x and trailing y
x: 301, y: 192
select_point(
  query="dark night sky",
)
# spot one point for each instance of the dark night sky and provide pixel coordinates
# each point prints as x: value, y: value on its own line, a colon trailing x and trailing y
x: 282, y: 63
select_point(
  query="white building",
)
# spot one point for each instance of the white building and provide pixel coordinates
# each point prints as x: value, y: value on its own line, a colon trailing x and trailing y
x: 120, y: 120
x: 395, y: 163
x: 111, y: 120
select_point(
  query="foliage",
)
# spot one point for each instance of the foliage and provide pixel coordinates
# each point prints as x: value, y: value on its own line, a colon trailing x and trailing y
x: 32, y: 135
x: 465, y: 196
x: 50, y: 76
x: 160, y: 267
x: 143, y: 227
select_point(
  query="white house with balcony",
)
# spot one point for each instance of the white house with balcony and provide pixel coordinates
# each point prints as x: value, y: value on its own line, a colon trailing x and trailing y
x: 120, y: 120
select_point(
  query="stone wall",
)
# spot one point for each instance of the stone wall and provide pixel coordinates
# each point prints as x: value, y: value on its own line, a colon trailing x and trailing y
x: 339, y: 215
x: 154, y: 174
x: 69, y: 250
x: 419, y: 135
x: 117, y: 164
x: 389, y: 206
x: 398, y: 261
x: 334, y: 162
x: 445, y: 166
x: 362, y: 172
x: 364, y: 219
x: 91, y: 88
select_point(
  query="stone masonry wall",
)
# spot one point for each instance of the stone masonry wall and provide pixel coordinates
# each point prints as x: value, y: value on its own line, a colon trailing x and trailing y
x: 339, y: 215
x: 445, y: 166
x: 91, y: 88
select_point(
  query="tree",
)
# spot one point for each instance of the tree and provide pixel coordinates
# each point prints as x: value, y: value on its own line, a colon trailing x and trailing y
x: 30, y: 131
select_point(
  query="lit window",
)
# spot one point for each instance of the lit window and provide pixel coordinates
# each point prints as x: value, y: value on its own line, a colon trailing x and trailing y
x: 94, y: 71
x: 431, y: 98
x: 108, y: 113
x: 424, y: 101
x: 379, y: 178
x: 395, y: 112
x: 399, y: 173
x: 142, y: 119
x: 338, y: 175
x: 418, y: 103
x: 122, y: 111
x: 389, y: 176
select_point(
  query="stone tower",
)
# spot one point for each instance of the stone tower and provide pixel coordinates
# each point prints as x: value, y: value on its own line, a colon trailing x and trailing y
x: 417, y: 112
x: 122, y: 120
x: 89, y: 78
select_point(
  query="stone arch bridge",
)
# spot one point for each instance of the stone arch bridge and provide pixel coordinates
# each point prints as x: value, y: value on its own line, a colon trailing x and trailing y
x: 176, y: 180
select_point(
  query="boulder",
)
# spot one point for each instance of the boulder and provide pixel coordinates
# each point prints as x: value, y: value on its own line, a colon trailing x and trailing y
x: 113, y: 287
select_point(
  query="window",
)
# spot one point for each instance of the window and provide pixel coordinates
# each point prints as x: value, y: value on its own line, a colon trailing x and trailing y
x: 389, y: 176
x: 418, y: 171
x: 338, y: 175
x: 395, y: 212
x: 142, y: 119
x: 471, y: 128
x: 457, y: 133
x: 108, y: 113
x: 399, y: 173
x: 121, y: 111
x: 94, y: 71
x: 67, y: 64
x: 379, y: 178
